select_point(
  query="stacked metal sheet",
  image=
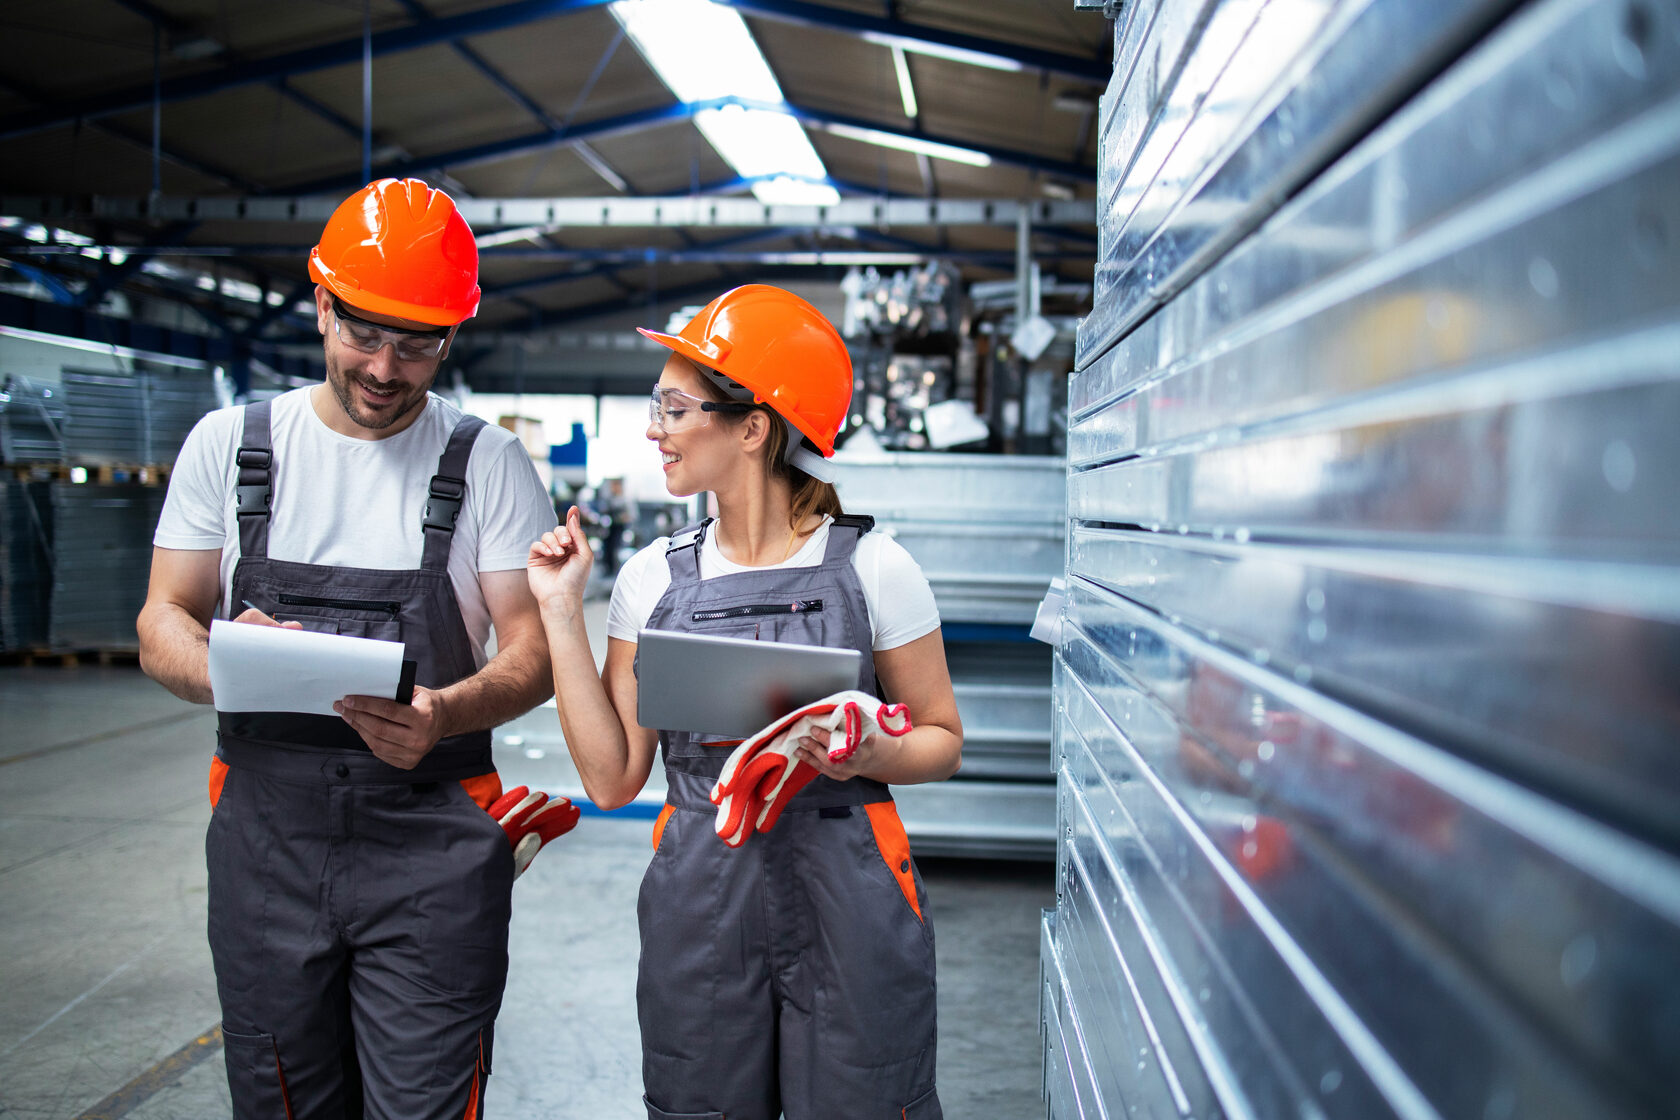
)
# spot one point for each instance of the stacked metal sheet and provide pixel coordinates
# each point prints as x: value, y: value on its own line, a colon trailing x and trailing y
x: 26, y: 522
x: 102, y: 548
x: 988, y: 532
x: 32, y: 421
x: 132, y: 417
x: 1366, y: 699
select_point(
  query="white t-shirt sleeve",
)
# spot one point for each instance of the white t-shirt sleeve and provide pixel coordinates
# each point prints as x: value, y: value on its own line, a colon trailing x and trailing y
x: 516, y: 510
x: 195, y: 508
x: 900, y: 600
x: 637, y: 589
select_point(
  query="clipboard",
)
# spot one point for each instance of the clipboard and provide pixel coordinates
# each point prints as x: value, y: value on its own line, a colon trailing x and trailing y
x: 405, y: 682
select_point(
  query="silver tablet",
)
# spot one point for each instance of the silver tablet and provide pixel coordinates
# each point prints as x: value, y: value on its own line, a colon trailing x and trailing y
x: 732, y: 686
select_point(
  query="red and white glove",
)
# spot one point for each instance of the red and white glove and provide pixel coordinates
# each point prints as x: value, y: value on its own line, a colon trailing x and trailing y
x: 531, y: 820
x: 764, y: 773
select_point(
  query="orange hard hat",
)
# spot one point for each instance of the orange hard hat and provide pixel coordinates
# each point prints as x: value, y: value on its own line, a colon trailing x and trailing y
x: 779, y: 349
x: 398, y: 247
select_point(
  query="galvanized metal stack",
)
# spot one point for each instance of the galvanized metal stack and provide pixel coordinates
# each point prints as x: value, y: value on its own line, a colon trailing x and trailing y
x: 31, y: 422
x: 1366, y: 698
x: 75, y: 556
x: 132, y: 417
x: 26, y: 523
x: 988, y: 532
x: 102, y: 549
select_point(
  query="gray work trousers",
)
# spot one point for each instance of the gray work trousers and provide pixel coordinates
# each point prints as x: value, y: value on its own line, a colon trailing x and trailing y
x: 359, y: 932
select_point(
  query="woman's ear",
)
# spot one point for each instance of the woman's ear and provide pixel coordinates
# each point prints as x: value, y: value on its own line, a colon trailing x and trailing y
x: 755, y: 430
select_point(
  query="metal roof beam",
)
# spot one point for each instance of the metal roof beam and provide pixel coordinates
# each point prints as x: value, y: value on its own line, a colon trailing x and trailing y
x: 342, y: 52
x: 653, y: 118
x: 554, y: 214
x: 442, y: 29
x: 1093, y: 70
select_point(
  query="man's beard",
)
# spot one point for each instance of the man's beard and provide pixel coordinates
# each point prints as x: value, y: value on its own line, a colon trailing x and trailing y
x: 344, y: 388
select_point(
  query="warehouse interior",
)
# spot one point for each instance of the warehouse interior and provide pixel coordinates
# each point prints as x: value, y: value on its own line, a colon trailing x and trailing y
x: 1277, y: 395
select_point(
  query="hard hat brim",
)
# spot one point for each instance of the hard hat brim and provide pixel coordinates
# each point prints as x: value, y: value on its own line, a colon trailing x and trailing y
x: 384, y: 305
x: 686, y: 349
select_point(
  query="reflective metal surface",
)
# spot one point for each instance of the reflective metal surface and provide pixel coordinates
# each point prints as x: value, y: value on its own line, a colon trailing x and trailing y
x: 1219, y: 111
x: 989, y: 532
x: 1369, y: 679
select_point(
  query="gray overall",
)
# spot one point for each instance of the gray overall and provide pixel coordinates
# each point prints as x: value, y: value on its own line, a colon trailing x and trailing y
x: 358, y: 912
x: 794, y: 975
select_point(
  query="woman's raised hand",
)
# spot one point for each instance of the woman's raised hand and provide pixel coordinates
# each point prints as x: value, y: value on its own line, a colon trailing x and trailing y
x: 558, y: 566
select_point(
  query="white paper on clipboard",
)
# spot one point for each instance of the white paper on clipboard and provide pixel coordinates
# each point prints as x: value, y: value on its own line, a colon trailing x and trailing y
x: 274, y: 669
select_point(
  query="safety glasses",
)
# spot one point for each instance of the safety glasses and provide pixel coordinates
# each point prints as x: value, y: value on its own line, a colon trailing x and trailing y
x: 408, y: 346
x: 672, y: 410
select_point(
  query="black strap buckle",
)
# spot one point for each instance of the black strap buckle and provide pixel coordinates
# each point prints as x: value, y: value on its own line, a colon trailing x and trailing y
x: 443, y: 502
x: 252, y: 491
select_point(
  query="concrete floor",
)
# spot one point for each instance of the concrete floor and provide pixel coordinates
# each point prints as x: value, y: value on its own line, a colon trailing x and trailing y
x: 108, y: 1006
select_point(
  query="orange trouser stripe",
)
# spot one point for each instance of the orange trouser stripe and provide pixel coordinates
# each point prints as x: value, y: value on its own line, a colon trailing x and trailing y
x: 895, y: 848
x: 659, y: 824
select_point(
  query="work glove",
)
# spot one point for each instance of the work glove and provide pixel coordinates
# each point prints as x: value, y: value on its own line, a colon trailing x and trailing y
x: 764, y: 773
x: 531, y: 820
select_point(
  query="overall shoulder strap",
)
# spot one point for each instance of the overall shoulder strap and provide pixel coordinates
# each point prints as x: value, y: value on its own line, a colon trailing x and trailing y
x: 844, y: 532
x: 682, y: 555
x: 254, y: 490
x: 446, y: 492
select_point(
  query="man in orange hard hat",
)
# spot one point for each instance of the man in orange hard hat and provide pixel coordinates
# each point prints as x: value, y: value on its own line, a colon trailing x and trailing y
x: 359, y: 890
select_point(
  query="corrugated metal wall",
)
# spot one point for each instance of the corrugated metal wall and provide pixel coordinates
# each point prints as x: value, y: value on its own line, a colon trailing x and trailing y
x: 1368, y: 689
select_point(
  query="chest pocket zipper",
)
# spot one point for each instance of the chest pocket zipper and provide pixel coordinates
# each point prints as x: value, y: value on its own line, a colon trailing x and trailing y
x: 798, y: 606
x: 384, y: 606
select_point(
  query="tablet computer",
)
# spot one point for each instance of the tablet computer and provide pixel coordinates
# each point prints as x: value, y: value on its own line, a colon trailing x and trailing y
x: 732, y: 686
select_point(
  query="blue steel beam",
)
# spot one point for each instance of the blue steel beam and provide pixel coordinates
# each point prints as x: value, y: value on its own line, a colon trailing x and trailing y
x: 60, y: 292
x: 1093, y: 70
x: 653, y: 118
x: 449, y: 28
x: 502, y: 149
x: 113, y: 275
x: 176, y: 26
x: 339, y: 53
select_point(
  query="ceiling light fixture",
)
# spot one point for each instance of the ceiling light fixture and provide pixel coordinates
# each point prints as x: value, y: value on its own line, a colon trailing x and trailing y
x: 703, y: 52
x: 912, y: 144
x: 952, y: 54
x: 906, y: 91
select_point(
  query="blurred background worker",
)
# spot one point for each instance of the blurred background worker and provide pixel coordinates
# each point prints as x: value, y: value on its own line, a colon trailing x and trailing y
x: 791, y: 971
x: 359, y: 897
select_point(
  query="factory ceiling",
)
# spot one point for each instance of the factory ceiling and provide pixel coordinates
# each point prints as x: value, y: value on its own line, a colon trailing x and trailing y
x: 147, y: 145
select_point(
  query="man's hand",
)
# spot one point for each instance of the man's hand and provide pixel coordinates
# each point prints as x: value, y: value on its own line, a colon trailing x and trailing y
x: 253, y: 617
x: 401, y: 734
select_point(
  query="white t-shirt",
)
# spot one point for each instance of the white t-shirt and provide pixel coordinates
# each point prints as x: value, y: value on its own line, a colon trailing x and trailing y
x: 356, y: 503
x: 900, y: 602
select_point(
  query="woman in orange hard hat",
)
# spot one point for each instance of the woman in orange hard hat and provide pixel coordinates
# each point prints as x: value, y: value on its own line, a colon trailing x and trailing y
x: 359, y: 894
x: 787, y: 960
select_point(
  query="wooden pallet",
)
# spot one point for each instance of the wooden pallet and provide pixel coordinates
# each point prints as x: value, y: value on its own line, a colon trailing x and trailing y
x: 143, y: 474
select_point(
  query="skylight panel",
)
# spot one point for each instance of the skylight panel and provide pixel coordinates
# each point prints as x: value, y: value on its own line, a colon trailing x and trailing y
x: 704, y: 52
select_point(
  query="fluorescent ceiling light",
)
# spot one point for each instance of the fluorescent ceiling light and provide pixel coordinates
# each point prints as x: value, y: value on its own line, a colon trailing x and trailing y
x: 906, y: 91
x: 912, y: 144
x: 699, y: 49
x: 703, y: 52
x: 759, y: 142
x: 784, y: 190
x: 936, y: 50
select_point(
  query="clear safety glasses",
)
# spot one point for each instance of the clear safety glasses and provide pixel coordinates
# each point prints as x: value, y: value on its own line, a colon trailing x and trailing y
x: 672, y: 410
x: 409, y: 346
